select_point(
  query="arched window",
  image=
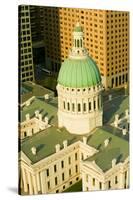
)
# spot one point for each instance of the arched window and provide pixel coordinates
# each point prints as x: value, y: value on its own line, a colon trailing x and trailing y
x: 89, y: 106
x: 77, y: 43
x: 81, y: 42
x: 84, y: 107
x: 68, y: 106
x: 79, y: 107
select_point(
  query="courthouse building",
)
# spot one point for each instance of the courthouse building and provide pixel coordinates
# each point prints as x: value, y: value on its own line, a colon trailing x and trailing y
x: 76, y: 137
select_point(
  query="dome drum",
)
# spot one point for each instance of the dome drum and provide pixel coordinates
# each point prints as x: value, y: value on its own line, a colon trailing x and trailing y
x: 80, y: 124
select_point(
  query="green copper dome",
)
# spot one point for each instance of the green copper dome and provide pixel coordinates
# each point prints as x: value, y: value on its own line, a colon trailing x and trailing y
x: 78, y: 73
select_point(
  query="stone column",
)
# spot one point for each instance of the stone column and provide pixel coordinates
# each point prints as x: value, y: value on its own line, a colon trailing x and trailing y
x: 30, y: 183
x: 122, y: 181
x: 38, y: 181
x: 43, y: 184
x: 83, y: 182
x: 92, y: 104
x: 96, y: 99
x: 34, y: 184
x: 24, y: 180
x: 127, y: 180
x: 104, y: 186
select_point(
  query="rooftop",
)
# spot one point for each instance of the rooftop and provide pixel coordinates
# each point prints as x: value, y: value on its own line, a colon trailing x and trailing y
x: 117, y: 105
x: 45, y: 142
x: 117, y: 148
x: 29, y: 89
x: 46, y: 108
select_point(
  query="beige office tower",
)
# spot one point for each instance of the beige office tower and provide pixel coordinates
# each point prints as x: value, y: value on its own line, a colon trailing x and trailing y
x: 26, y: 69
x: 106, y: 36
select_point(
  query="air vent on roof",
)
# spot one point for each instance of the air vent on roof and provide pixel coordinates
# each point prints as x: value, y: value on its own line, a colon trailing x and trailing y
x: 40, y: 117
x: 124, y: 131
x: 110, y: 97
x: 27, y: 103
x: 46, y: 96
x: 114, y: 162
x: 126, y: 113
x: 57, y: 148
x: 37, y: 113
x: 46, y: 120
x: 33, y: 149
x: 27, y: 116
x: 65, y: 143
x: 116, y: 120
x: 106, y: 142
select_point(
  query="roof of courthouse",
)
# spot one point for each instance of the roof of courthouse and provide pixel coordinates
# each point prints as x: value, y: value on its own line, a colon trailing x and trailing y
x: 46, y: 140
x: 118, y: 147
x: 46, y: 108
x: 29, y: 89
x: 118, y: 105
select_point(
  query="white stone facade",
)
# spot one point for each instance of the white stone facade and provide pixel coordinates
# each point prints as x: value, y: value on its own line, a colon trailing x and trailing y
x: 33, y: 125
x: 80, y: 109
x: 55, y: 173
x: 93, y: 178
x: 65, y: 167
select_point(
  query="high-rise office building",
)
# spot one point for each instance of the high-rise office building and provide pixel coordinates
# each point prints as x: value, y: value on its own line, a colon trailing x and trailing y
x: 37, y: 30
x: 106, y: 38
x: 26, y: 69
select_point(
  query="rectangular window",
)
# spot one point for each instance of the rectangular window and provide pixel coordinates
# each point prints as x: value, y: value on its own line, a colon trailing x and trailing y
x: 76, y: 168
x: 116, y: 179
x: 63, y: 177
x: 69, y: 160
x: 56, y: 181
x: 68, y: 106
x: 55, y: 168
x: 109, y: 184
x: 62, y: 164
x: 70, y: 172
x: 93, y: 181
x: 48, y: 184
x: 100, y: 185
x: 76, y: 156
x: 79, y: 107
x: 84, y: 107
x: 89, y: 106
x: 47, y: 172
